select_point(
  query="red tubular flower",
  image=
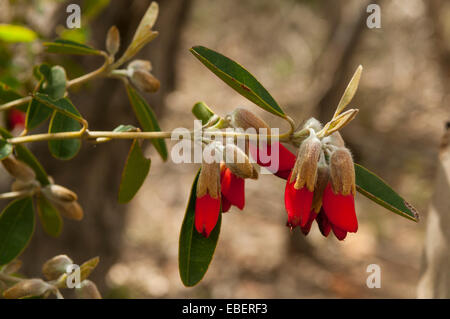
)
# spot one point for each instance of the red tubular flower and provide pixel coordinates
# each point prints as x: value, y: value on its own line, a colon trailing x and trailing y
x: 286, y: 159
x: 207, y: 211
x: 232, y: 188
x: 298, y: 204
x: 305, y: 229
x: 207, y: 204
x: 324, y: 223
x: 340, y: 211
x: 16, y: 118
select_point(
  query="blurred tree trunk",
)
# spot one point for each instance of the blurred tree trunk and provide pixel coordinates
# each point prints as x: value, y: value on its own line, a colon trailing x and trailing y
x: 435, y: 279
x: 95, y: 173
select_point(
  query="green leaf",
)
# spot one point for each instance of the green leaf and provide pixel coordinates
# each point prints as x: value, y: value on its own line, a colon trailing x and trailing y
x: 16, y: 33
x: 5, y: 149
x: 7, y: 94
x: 50, y: 218
x: 147, y: 119
x: 237, y: 78
x: 25, y: 155
x: 70, y: 47
x: 52, y: 81
x: 67, y: 148
x: 134, y: 173
x: 63, y: 105
x: 202, y: 112
x: 195, y: 252
x: 16, y: 228
x: 374, y: 188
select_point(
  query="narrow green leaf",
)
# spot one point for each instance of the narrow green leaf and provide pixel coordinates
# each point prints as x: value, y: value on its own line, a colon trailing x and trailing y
x: 68, y: 148
x: 16, y: 228
x: 147, y: 119
x: 202, y: 112
x: 134, y: 173
x: 5, y: 149
x: 16, y: 33
x: 7, y: 94
x: 70, y: 47
x: 25, y: 155
x: 63, y: 105
x: 237, y: 78
x: 195, y: 252
x: 373, y: 187
x: 50, y: 218
x: 53, y: 83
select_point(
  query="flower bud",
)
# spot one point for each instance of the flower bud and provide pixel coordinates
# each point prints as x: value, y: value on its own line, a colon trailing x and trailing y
x: 241, y: 118
x: 314, y: 124
x: 71, y: 210
x: 27, y: 288
x: 145, y: 81
x: 60, y: 193
x: 305, y: 169
x: 113, y: 40
x: 334, y: 139
x: 342, y: 172
x: 143, y: 65
x: 209, y: 180
x: 55, y: 267
x: 88, y: 290
x: 238, y: 162
x: 18, y: 169
x: 323, y: 176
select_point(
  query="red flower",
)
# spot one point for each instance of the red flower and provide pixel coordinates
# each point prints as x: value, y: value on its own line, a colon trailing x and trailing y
x: 206, y: 214
x: 298, y: 204
x: 16, y: 118
x: 232, y: 188
x: 312, y: 216
x: 340, y: 211
x: 286, y: 160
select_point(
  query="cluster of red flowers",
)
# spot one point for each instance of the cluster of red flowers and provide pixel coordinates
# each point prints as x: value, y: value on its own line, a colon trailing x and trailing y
x: 320, y: 182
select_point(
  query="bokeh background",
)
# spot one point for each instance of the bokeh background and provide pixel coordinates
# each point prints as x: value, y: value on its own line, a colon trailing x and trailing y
x: 304, y: 52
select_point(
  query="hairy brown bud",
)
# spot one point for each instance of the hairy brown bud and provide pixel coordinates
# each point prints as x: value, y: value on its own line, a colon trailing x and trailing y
x: 323, y: 177
x: 241, y: 118
x: 18, y: 169
x: 143, y: 65
x: 55, y: 267
x: 238, y: 162
x: 27, y: 288
x: 342, y: 172
x: 145, y: 81
x: 335, y: 139
x: 71, y: 210
x: 313, y: 123
x: 304, y: 172
x: 88, y: 290
x: 209, y: 180
x: 113, y: 40
x: 60, y: 193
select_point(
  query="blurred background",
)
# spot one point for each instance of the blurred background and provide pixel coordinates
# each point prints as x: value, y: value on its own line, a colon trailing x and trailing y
x: 304, y: 52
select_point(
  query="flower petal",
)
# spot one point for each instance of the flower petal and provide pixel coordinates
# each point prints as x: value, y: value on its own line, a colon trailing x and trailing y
x: 226, y: 205
x: 298, y: 204
x: 233, y: 188
x: 305, y: 229
x: 338, y: 232
x: 340, y: 209
x: 206, y: 214
x: 324, y: 223
x: 286, y: 159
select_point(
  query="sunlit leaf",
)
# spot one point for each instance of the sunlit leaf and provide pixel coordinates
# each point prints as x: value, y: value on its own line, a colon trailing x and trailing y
x: 195, y: 252
x: 147, y: 119
x: 16, y: 228
x: 134, y: 173
x: 61, y: 46
x: 373, y: 187
x: 16, y: 33
x: 50, y: 218
x: 237, y: 78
